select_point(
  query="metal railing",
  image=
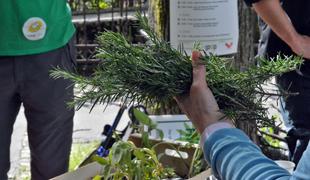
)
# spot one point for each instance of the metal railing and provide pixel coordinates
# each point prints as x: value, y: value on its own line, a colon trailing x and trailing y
x: 94, y: 16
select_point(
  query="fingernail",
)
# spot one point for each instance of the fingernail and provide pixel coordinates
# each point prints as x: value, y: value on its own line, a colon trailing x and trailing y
x: 196, y: 55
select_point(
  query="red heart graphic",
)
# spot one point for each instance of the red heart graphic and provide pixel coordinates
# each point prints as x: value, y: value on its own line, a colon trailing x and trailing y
x: 229, y: 45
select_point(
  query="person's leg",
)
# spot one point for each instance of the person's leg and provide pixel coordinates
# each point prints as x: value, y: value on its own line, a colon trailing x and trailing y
x: 9, y: 107
x: 298, y: 108
x: 50, y: 120
x: 297, y: 104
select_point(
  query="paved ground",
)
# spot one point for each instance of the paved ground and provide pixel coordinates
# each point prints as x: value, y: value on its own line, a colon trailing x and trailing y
x: 87, y: 127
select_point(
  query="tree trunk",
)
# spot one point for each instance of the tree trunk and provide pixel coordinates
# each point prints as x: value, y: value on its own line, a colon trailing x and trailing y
x: 248, y: 38
x: 159, y: 18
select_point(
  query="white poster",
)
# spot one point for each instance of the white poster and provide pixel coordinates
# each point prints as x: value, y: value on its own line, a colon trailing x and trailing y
x: 212, y: 23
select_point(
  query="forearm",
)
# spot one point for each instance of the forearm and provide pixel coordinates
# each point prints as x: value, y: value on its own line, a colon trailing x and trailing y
x: 273, y: 14
x: 233, y: 156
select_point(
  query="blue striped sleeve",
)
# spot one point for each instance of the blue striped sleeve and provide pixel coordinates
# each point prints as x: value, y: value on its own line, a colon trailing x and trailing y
x: 233, y: 156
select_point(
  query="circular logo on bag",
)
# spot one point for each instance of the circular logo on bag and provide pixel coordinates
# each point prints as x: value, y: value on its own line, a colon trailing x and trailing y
x: 34, y: 28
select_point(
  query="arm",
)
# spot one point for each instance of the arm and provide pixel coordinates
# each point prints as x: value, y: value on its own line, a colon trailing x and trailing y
x: 229, y: 151
x: 233, y: 156
x: 273, y: 14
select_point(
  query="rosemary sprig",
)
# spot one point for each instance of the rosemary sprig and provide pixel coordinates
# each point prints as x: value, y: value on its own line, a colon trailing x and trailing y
x: 155, y: 73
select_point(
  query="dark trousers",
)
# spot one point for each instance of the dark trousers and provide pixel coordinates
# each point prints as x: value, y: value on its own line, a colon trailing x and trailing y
x: 26, y: 80
x: 297, y: 140
x: 298, y: 106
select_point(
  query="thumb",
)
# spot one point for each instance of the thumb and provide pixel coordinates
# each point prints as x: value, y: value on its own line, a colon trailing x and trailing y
x: 199, y: 69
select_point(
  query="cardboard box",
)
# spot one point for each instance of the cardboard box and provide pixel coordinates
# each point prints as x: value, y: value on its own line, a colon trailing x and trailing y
x: 89, y: 171
x: 84, y: 173
x: 205, y: 175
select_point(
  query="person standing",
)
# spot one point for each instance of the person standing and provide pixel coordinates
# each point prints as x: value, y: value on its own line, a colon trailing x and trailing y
x: 35, y: 37
x: 285, y: 30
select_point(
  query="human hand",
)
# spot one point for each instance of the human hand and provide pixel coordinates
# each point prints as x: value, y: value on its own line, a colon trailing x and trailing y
x: 301, y: 46
x: 200, y: 105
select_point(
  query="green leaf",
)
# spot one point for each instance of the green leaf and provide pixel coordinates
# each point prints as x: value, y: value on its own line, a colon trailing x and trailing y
x: 181, y: 132
x: 126, y: 159
x: 97, y: 177
x: 187, y: 126
x: 160, y: 133
x: 100, y: 160
x: 106, y: 171
x: 103, y: 5
x: 116, y: 155
x: 145, y: 139
x: 138, y: 173
x: 152, y: 127
x: 121, y: 152
x: 142, y: 117
x: 194, y: 135
x: 151, y: 153
x: 139, y: 154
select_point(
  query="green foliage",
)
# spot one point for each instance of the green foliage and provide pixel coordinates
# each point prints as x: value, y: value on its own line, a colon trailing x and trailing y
x: 78, y: 153
x: 146, y: 123
x: 155, y: 73
x: 143, y: 118
x: 271, y: 141
x: 189, y: 134
x: 126, y: 161
x: 78, y: 5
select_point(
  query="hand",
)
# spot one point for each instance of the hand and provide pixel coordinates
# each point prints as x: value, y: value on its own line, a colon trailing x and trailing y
x: 200, y: 105
x: 301, y: 46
